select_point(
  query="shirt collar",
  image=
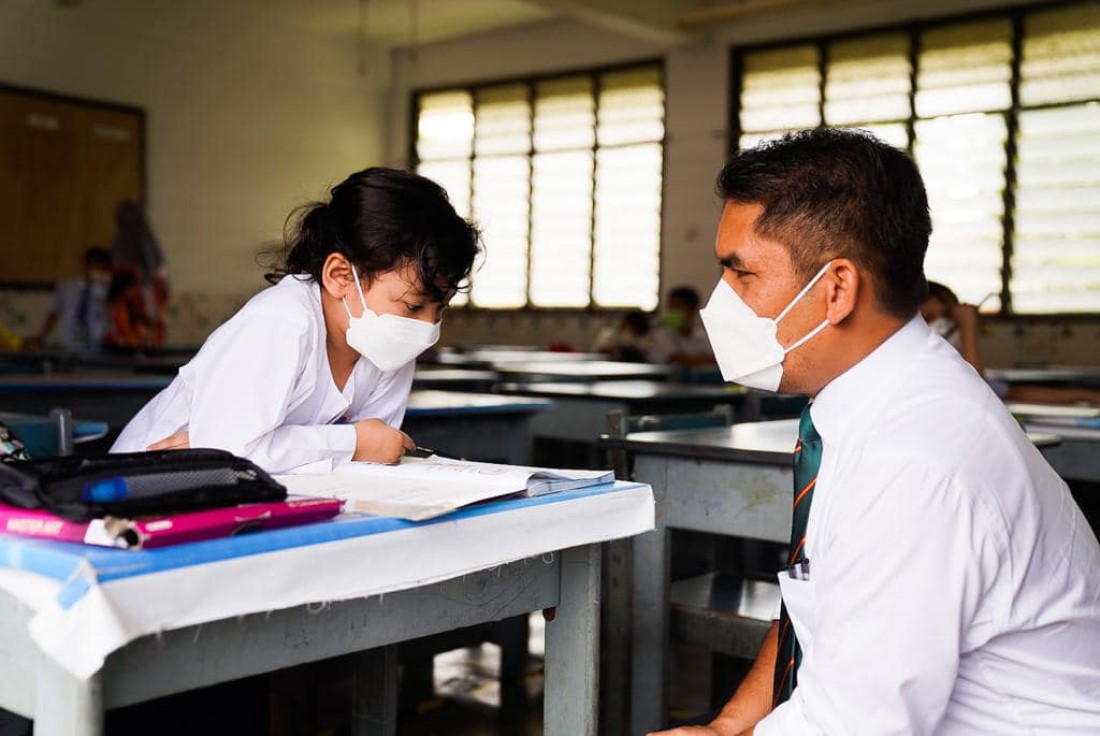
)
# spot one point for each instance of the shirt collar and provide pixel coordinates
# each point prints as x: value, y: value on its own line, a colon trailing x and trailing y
x: 852, y: 392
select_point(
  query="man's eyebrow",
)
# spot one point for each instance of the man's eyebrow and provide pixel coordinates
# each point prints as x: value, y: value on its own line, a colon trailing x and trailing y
x: 732, y: 261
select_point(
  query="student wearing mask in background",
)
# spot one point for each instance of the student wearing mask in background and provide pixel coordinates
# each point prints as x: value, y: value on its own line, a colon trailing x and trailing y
x: 316, y: 370
x: 629, y: 341
x: 957, y: 322
x: 941, y: 578
x: 679, y: 338
x: 79, y: 308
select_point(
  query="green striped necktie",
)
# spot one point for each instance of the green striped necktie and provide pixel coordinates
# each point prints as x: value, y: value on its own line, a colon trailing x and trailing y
x: 807, y: 460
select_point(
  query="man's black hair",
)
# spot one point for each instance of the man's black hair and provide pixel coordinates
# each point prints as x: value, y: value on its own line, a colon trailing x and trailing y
x: 830, y: 193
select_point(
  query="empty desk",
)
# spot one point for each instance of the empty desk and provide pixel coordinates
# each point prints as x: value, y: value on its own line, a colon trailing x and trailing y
x: 454, y: 379
x: 475, y: 426
x: 586, y: 370
x: 112, y: 398
x: 1052, y: 376
x: 580, y: 409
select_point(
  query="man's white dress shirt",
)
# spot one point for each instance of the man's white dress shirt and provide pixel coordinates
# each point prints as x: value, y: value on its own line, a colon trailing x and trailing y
x: 954, y: 584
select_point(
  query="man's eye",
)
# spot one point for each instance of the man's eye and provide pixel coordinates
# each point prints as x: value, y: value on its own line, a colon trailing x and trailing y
x: 414, y: 308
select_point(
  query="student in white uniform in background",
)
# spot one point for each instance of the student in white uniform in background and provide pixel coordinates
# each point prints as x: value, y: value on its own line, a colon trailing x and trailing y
x: 317, y: 369
x: 942, y: 579
x: 957, y: 322
x: 679, y: 338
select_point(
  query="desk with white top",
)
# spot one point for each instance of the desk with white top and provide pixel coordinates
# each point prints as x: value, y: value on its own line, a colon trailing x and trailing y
x: 86, y: 629
x: 580, y: 409
x: 1077, y: 457
x: 486, y: 427
x: 487, y: 356
x: 454, y: 379
x: 1051, y: 376
x: 587, y: 371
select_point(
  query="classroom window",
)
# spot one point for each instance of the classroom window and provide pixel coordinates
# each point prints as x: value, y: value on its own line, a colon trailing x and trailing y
x: 1002, y: 115
x: 564, y: 175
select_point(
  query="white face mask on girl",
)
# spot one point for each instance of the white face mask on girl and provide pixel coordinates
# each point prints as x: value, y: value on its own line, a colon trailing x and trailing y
x: 744, y: 343
x: 387, y: 340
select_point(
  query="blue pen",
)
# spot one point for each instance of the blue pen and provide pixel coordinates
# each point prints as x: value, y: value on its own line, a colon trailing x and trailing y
x: 149, y: 485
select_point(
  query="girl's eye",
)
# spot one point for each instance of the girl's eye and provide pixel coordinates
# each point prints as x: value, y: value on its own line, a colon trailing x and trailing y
x: 414, y: 308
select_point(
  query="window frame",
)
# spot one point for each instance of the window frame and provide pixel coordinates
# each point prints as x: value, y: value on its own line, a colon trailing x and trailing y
x: 529, y: 81
x: 914, y: 28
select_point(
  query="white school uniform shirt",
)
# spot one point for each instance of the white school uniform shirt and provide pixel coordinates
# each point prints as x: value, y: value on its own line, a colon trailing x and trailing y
x: 954, y: 584
x: 667, y: 342
x: 261, y: 388
x: 76, y: 330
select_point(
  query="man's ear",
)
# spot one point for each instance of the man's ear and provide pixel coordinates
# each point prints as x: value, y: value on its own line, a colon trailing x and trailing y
x: 336, y: 276
x: 843, y: 283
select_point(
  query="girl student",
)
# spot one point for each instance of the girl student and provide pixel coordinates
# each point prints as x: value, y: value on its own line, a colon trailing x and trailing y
x: 317, y: 369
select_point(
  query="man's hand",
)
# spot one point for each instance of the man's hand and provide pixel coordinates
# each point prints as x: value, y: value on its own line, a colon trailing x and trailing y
x: 178, y: 441
x: 377, y: 442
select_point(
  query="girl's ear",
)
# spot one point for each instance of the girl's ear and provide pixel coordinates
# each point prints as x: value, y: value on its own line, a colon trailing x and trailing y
x: 336, y: 276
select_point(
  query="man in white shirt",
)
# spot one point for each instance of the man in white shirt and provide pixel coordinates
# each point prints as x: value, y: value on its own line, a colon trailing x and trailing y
x: 943, y: 579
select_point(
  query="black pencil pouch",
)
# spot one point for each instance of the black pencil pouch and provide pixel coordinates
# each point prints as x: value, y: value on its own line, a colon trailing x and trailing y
x: 136, y: 484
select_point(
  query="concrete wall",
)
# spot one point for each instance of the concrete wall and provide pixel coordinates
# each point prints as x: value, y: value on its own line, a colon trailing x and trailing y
x: 248, y: 115
x: 697, y: 122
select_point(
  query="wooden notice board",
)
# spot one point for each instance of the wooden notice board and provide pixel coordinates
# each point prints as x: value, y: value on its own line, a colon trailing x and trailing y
x: 65, y: 164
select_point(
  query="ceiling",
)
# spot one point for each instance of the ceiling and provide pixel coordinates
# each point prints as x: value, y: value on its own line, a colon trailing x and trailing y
x: 392, y: 23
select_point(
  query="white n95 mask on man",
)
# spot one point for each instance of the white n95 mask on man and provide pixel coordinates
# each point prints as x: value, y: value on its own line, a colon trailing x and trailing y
x: 744, y: 343
x: 387, y: 340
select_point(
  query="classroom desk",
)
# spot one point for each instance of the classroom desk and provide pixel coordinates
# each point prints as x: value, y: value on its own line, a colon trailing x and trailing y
x: 489, y: 356
x: 580, y: 409
x: 1077, y: 456
x: 1053, y: 375
x: 175, y: 619
x: 108, y: 397
x: 734, y: 481
x: 167, y: 362
x: 587, y: 370
x: 475, y: 426
x: 454, y: 379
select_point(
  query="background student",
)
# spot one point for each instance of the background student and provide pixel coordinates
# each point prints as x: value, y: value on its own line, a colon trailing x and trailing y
x: 628, y: 341
x: 317, y: 369
x: 78, y: 309
x: 957, y: 322
x: 679, y: 338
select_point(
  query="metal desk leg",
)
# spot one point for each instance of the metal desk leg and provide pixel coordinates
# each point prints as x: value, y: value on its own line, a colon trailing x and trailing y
x: 618, y: 572
x: 649, y: 673
x: 572, y: 647
x: 66, y: 706
x: 375, y: 706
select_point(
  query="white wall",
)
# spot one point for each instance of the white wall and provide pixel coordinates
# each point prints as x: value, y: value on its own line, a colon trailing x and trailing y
x: 248, y: 116
x: 697, y: 124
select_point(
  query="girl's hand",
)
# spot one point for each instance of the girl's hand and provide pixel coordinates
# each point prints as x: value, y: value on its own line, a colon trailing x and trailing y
x: 377, y: 442
x: 178, y: 441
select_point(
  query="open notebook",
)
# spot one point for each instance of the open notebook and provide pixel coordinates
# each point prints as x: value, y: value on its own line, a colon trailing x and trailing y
x: 418, y: 489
